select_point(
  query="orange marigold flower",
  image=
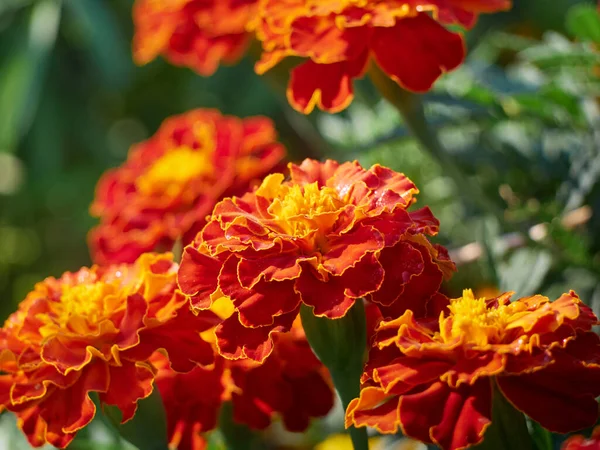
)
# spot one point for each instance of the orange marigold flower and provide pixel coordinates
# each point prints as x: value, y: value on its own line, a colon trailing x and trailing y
x: 291, y: 384
x: 579, y: 442
x: 405, y: 38
x: 171, y: 182
x: 94, y: 331
x: 199, y: 34
x: 435, y: 380
x: 332, y: 234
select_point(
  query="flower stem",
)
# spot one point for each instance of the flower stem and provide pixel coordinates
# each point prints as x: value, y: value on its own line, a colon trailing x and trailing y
x: 148, y: 428
x: 508, y: 428
x: 237, y: 436
x: 411, y: 109
x: 340, y: 344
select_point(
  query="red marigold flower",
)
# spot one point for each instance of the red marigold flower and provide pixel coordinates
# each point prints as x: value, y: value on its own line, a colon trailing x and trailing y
x: 94, y: 331
x: 332, y: 234
x: 291, y: 383
x: 199, y: 34
x: 405, y: 38
x: 171, y: 182
x: 435, y: 380
x: 579, y: 442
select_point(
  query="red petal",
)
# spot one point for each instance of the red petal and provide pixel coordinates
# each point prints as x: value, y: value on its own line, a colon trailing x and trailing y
x: 68, y: 410
x: 278, y: 267
x: 180, y: 337
x: 329, y: 86
x: 261, y: 304
x: 332, y: 298
x: 417, y: 51
x: 560, y: 397
x: 197, y: 276
x: 374, y: 409
x: 344, y: 252
x: 128, y: 384
x: 451, y: 418
x: 236, y: 341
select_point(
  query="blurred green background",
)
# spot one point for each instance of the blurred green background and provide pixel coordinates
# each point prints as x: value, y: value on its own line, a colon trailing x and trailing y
x: 521, y: 119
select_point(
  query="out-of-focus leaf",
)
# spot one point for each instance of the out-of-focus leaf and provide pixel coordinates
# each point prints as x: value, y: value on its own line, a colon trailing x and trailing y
x: 23, y: 74
x: 98, y: 29
x: 571, y: 244
x: 545, y: 57
x: 525, y: 271
x: 583, y: 22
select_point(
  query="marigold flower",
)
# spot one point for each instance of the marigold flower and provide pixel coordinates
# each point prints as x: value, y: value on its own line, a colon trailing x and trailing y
x: 291, y: 383
x: 405, y: 38
x: 199, y: 34
x: 330, y: 235
x: 171, y: 182
x: 579, y: 442
x: 94, y: 331
x: 435, y: 380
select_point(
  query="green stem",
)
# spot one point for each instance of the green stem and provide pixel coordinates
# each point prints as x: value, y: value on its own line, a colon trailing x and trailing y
x: 410, y: 107
x: 236, y: 435
x: 148, y: 428
x: 340, y: 344
x: 348, y: 388
x: 508, y: 428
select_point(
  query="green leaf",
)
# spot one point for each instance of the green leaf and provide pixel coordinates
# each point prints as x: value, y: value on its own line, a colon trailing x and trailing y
x: 583, y: 21
x: 148, y: 428
x: 508, y: 429
x: 232, y: 435
x: 23, y: 73
x: 542, y: 438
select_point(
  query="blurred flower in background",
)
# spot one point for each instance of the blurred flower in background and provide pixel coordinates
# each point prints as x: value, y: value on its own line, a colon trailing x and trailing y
x: 198, y: 34
x: 579, y: 442
x: 340, y: 38
x: 171, y: 182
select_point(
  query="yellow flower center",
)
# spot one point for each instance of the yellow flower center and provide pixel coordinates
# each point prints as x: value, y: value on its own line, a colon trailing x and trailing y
x: 472, y: 320
x: 79, y: 308
x: 172, y: 172
x: 300, y: 210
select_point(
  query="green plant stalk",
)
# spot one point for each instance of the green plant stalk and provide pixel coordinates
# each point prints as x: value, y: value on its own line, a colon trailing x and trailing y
x: 340, y: 344
x: 148, y: 428
x: 236, y: 436
x: 508, y: 428
x: 411, y: 109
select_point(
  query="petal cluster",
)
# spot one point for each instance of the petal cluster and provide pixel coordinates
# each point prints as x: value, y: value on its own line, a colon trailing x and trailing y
x: 291, y: 384
x: 434, y: 380
x: 331, y: 234
x: 579, y: 442
x: 407, y: 39
x: 198, y: 34
x: 171, y: 182
x: 94, y: 331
